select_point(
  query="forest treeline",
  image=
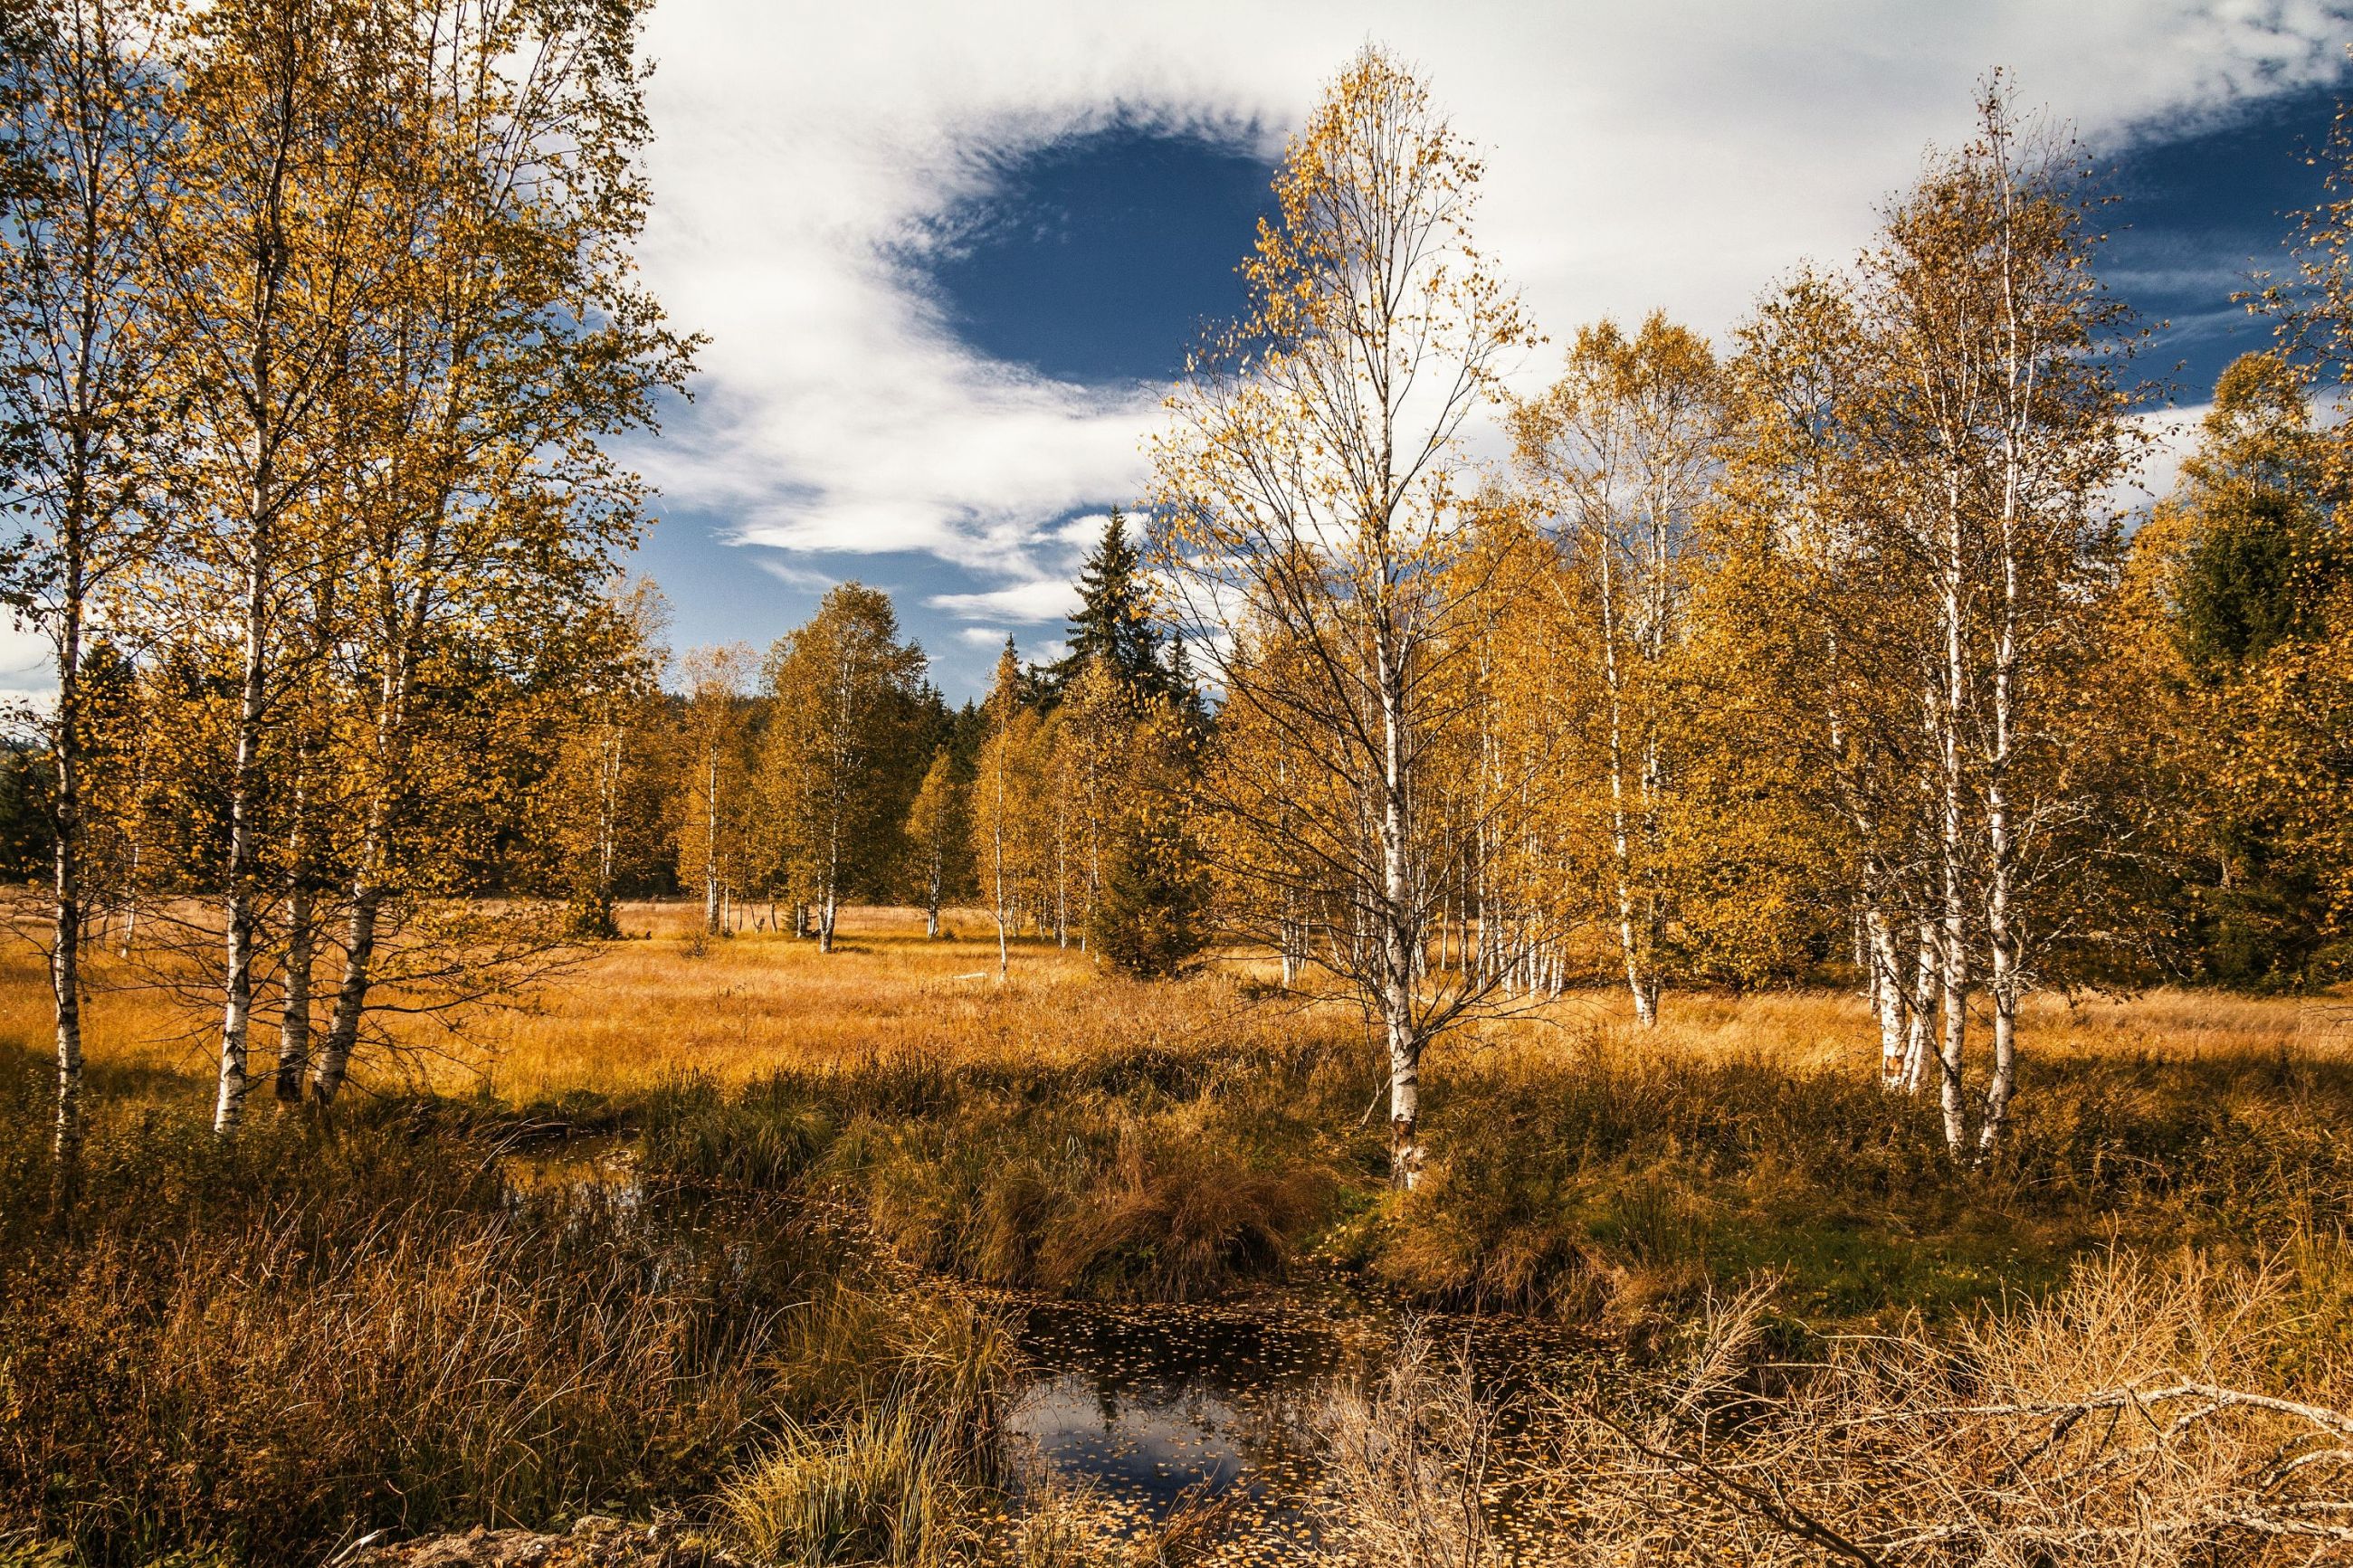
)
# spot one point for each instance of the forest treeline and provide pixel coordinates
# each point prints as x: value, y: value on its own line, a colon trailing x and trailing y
x: 775, y: 788
x: 1834, y: 647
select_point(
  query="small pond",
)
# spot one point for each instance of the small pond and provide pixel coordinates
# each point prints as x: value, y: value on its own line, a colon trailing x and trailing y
x: 1143, y: 1403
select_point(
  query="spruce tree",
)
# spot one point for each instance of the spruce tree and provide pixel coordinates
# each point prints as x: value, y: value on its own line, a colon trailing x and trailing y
x: 1114, y: 623
x: 1149, y: 918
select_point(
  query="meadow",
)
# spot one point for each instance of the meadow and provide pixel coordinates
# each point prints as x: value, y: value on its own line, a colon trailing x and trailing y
x: 398, y: 1319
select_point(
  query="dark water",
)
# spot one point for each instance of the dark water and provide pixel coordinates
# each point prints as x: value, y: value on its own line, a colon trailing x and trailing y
x: 1146, y: 1402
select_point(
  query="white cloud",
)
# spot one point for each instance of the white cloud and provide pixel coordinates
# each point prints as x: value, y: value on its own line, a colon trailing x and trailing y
x: 795, y: 577
x: 27, y: 668
x: 982, y: 636
x: 1045, y: 599
x: 2171, y: 435
x: 1674, y: 156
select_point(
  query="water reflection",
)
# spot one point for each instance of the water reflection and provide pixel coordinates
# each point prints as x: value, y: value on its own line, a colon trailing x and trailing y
x: 1146, y: 1402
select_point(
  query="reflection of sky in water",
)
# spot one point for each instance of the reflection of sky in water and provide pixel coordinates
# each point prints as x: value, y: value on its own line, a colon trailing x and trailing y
x: 1144, y: 1402
x: 1131, y: 1444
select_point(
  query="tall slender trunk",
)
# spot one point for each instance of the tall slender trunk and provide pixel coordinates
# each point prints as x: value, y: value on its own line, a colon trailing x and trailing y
x: 294, y: 1013
x: 1646, y: 1009
x: 2006, y: 979
x: 1062, y: 888
x: 1400, y: 940
x: 1918, y: 1031
x: 238, y: 869
x: 996, y: 850
x: 1886, y: 992
x: 610, y: 757
x: 66, y: 932
x: 294, y: 1020
x: 368, y: 892
x: 830, y: 890
x: 710, y: 843
x: 130, y: 892
x: 369, y: 885
x: 1953, y: 868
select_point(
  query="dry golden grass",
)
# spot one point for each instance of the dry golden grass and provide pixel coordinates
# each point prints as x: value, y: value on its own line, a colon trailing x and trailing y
x: 637, y: 1013
x: 1806, y: 1029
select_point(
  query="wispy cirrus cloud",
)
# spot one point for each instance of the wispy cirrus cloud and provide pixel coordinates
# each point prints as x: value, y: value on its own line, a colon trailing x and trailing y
x: 1040, y: 600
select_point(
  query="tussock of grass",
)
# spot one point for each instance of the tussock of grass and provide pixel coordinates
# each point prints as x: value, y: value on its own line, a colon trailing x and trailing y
x: 877, y: 1489
x: 255, y: 1349
x: 2159, y: 1414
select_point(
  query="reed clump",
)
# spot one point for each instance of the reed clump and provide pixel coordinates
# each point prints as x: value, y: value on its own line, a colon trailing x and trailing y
x: 2159, y: 1414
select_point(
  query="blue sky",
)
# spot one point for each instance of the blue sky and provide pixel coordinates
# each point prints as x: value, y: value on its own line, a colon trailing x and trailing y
x: 948, y: 262
x: 2196, y: 214
x: 1094, y: 260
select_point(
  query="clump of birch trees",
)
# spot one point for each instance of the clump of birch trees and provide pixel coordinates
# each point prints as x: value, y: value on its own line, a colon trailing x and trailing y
x: 1829, y: 650
x: 1061, y: 805
x: 317, y: 316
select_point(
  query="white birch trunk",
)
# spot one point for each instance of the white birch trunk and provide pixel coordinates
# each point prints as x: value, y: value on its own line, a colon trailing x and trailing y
x: 294, y: 1012
x: 1886, y: 993
x: 1953, y: 944
x: 66, y: 929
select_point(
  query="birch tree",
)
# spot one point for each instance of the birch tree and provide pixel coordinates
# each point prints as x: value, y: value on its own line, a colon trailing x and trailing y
x: 1926, y: 450
x: 475, y: 498
x: 838, y: 756
x: 600, y: 817
x: 996, y: 797
x: 938, y: 833
x: 276, y: 239
x: 1814, y: 566
x: 78, y: 361
x: 2005, y: 350
x: 1311, y: 499
x: 1620, y: 455
x: 711, y: 800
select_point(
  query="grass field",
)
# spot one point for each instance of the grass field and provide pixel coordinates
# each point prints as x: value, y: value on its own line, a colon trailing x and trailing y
x: 1072, y: 1130
x: 635, y: 1014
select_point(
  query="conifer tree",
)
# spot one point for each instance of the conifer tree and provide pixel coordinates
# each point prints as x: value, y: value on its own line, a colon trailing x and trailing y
x: 1114, y: 625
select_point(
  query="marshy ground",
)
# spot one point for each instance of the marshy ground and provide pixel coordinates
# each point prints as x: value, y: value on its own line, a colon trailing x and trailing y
x: 868, y: 1256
